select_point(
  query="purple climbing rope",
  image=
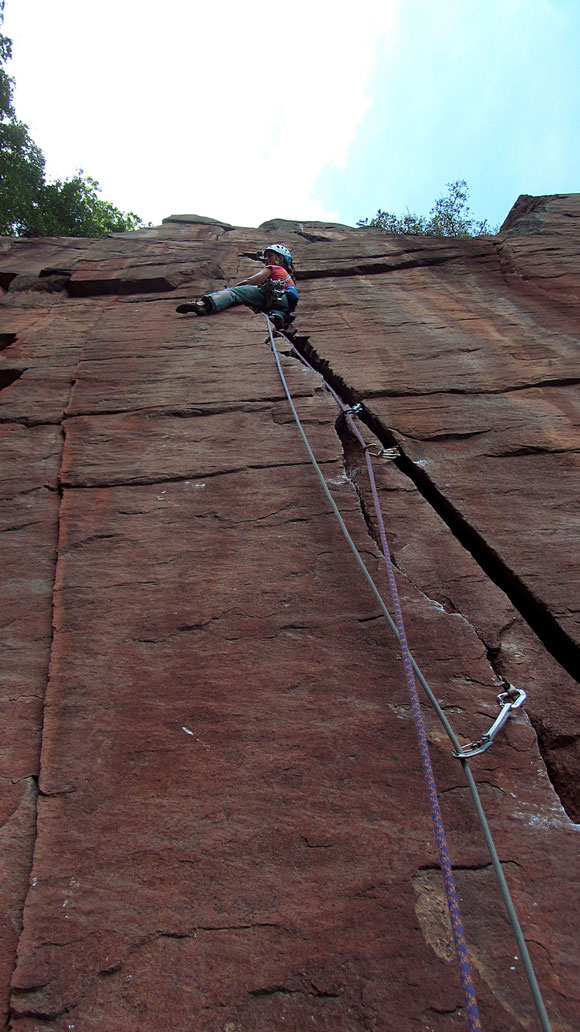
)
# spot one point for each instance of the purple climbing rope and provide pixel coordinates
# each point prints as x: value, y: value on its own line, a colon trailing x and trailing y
x: 473, y: 1022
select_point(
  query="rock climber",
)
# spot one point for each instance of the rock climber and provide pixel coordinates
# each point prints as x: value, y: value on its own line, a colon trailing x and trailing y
x: 271, y: 290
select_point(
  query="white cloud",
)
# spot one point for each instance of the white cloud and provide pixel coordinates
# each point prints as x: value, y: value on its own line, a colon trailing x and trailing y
x: 221, y: 109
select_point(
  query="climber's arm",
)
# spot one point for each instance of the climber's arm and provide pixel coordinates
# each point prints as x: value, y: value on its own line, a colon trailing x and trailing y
x: 256, y: 279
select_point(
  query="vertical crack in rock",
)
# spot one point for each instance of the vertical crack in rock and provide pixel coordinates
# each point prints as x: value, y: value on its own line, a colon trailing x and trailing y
x: 533, y: 612
x: 531, y: 608
x: 35, y: 780
x: 353, y: 459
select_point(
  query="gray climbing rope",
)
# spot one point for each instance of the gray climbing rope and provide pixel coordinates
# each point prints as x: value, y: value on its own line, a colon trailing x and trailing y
x: 500, y: 877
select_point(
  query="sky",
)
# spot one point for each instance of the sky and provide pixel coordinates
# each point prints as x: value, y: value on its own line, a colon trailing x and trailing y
x: 308, y: 110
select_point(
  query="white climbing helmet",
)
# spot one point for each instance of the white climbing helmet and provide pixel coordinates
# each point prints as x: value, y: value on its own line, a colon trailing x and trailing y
x: 282, y: 251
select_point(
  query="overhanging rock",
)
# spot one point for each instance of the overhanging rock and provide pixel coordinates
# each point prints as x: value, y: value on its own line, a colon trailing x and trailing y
x: 212, y: 808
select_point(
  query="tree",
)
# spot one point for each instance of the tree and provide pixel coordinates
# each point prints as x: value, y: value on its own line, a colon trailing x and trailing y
x: 450, y: 216
x: 72, y: 208
x: 21, y: 161
x: 31, y: 206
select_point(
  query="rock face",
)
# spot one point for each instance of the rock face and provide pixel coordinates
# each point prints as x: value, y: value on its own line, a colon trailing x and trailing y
x: 213, y: 814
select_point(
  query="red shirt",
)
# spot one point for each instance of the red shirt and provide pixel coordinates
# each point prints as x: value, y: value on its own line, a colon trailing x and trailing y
x: 277, y: 272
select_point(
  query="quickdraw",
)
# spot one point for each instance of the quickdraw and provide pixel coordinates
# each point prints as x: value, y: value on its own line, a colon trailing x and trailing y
x: 509, y: 700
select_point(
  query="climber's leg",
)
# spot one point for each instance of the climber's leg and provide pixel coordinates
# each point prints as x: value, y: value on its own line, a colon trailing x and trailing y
x: 244, y: 295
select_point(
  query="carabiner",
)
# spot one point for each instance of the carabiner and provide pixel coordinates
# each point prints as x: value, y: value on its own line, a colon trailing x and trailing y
x: 383, y: 453
x: 508, y: 700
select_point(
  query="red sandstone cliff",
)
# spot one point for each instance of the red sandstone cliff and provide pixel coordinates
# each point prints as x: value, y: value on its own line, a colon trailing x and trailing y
x: 213, y: 815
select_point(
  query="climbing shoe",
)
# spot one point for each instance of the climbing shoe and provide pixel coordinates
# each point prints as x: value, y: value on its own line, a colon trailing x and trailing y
x: 197, y: 307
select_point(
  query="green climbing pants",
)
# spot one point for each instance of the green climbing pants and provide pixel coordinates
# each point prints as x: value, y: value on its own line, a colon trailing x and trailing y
x: 253, y: 297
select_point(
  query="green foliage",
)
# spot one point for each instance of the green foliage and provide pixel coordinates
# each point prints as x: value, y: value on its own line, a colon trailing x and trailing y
x: 73, y: 208
x: 6, y: 108
x: 21, y: 177
x: 450, y: 216
x: 31, y: 206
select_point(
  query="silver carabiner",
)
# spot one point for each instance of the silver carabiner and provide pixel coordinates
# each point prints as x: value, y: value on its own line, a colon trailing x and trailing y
x: 387, y: 453
x: 508, y: 700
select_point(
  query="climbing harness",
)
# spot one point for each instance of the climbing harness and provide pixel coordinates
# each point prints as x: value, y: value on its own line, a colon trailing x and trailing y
x: 274, y: 289
x: 509, y: 700
x: 410, y: 666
